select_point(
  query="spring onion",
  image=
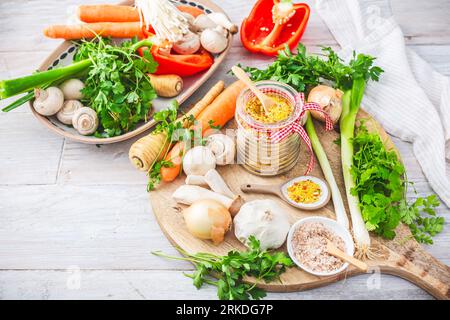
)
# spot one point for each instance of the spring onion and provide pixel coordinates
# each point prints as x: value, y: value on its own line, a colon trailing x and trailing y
x: 304, y: 71
x: 12, y: 87
x: 341, y: 214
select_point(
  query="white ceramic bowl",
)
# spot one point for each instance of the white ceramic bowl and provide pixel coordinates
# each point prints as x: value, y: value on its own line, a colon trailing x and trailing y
x: 334, y: 227
x: 324, y: 196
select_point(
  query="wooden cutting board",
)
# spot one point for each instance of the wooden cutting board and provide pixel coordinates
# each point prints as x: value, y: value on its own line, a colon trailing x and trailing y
x: 403, y: 256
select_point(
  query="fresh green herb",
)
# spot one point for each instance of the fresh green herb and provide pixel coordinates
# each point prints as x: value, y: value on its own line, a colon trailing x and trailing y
x: 167, y: 122
x: 231, y: 269
x: 212, y: 126
x: 117, y: 86
x: 303, y: 71
x: 380, y: 184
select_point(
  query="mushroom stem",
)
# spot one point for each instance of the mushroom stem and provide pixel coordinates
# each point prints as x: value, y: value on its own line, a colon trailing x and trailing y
x: 217, y: 184
x: 195, y: 180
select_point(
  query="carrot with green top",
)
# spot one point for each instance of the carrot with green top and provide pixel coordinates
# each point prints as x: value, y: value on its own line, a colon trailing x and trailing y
x: 218, y: 113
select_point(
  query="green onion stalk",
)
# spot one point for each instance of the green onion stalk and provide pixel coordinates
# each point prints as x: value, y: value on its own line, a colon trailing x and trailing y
x: 341, y: 214
x: 351, y: 102
x: 13, y: 87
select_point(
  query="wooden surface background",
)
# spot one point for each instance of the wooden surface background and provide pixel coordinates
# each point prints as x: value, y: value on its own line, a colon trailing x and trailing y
x: 75, y: 221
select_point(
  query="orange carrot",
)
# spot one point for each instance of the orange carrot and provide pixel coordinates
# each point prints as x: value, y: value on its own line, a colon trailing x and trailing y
x: 107, y: 13
x: 89, y: 30
x: 116, y: 13
x: 220, y: 111
x: 193, y: 11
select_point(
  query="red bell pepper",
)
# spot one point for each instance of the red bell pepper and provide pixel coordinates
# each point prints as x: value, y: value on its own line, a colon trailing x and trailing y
x: 266, y: 31
x: 180, y: 64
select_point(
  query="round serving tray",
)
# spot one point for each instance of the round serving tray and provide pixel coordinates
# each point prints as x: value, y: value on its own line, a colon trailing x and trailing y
x: 402, y: 256
x: 63, y: 55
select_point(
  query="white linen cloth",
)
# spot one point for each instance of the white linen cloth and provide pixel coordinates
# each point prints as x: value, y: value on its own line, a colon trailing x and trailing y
x: 411, y: 100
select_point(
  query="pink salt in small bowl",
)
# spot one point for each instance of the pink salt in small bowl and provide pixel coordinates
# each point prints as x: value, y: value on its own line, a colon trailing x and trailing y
x: 333, y: 227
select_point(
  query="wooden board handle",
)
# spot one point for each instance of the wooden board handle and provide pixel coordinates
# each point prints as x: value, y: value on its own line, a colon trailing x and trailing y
x: 421, y: 268
x: 261, y: 188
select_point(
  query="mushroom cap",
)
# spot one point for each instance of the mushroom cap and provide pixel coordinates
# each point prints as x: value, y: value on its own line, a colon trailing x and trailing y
x: 202, y: 22
x: 85, y: 120
x: 198, y: 160
x: 49, y: 101
x: 223, y: 147
x: 188, y: 45
x: 72, y: 89
x: 213, y: 40
x: 67, y: 111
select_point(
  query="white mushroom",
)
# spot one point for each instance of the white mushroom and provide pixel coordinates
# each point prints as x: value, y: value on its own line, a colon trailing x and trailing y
x: 203, y: 22
x: 189, y: 17
x: 198, y: 160
x: 195, y: 180
x: 85, y: 120
x: 72, y: 89
x: 49, y: 101
x: 223, y: 148
x: 213, y: 40
x: 221, y: 19
x: 329, y: 99
x: 65, y: 114
x: 217, y: 184
x: 187, y: 194
x: 188, y: 45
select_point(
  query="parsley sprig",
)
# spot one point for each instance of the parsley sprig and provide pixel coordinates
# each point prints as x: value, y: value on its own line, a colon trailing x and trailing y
x: 116, y: 85
x: 381, y: 187
x: 303, y: 71
x: 227, y: 272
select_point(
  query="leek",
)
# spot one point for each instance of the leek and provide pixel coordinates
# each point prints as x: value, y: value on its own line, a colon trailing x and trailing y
x: 350, y: 106
x: 341, y: 214
x: 12, y: 87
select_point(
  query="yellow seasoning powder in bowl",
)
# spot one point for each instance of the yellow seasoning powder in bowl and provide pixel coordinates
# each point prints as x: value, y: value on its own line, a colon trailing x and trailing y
x: 305, y: 191
x: 281, y: 110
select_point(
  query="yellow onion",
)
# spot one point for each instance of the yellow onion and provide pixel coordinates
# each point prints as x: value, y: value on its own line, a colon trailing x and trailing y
x: 208, y: 219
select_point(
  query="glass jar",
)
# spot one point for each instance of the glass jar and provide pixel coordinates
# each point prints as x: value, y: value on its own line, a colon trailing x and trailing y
x: 256, y: 150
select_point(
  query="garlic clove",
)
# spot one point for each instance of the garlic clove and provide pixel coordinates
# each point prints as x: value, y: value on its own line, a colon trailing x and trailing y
x: 85, y: 120
x: 65, y: 115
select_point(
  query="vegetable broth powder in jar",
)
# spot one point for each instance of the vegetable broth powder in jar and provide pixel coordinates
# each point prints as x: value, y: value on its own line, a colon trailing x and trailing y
x: 256, y: 150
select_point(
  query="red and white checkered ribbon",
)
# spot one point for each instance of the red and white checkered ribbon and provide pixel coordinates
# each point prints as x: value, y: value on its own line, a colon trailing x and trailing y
x: 296, y: 127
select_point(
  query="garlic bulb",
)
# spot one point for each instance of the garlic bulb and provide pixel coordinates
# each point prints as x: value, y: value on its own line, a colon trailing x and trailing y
x: 85, y: 120
x: 223, y: 147
x: 65, y: 115
x: 49, y: 101
x: 265, y: 220
x: 329, y: 99
x: 198, y: 160
x: 207, y: 219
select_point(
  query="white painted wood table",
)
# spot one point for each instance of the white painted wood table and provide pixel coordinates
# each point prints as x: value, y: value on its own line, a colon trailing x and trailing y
x: 75, y: 220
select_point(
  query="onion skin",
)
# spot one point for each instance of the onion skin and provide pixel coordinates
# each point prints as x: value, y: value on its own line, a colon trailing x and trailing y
x: 208, y: 220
